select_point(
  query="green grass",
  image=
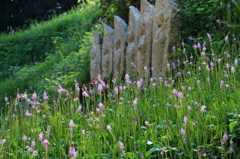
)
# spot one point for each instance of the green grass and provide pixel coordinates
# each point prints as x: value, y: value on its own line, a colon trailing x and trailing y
x: 25, y: 47
x: 67, y: 57
x: 192, y: 112
x: 181, y: 116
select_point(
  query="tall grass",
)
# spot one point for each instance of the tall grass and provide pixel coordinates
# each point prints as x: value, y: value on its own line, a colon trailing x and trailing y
x: 193, y: 113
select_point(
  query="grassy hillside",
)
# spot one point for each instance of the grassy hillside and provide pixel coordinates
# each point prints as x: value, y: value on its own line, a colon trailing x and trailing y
x: 192, y: 112
x: 60, y: 58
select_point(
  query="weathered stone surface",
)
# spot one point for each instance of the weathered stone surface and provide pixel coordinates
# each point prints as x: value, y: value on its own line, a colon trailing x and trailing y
x: 166, y: 34
x: 96, y: 56
x: 134, y: 18
x: 107, y: 52
x: 144, y: 49
x: 151, y: 36
x: 120, y: 41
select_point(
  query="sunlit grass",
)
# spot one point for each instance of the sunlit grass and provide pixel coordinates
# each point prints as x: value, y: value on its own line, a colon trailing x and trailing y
x: 192, y: 113
x: 69, y: 37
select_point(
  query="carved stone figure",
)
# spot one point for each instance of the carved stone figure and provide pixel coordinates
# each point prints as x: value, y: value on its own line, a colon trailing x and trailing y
x: 166, y: 12
x: 144, y: 47
x: 107, y: 52
x: 151, y: 36
x: 120, y: 36
x: 159, y: 44
x: 95, y: 55
x: 134, y: 18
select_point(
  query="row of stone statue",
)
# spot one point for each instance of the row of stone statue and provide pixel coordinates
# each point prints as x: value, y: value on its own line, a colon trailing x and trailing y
x: 147, y: 41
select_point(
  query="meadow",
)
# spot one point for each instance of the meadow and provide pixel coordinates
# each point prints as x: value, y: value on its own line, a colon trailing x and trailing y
x: 190, y: 112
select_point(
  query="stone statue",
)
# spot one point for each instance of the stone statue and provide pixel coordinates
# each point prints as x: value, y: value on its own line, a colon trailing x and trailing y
x: 95, y: 55
x: 107, y: 52
x: 166, y: 12
x: 120, y: 36
x: 144, y: 47
x: 141, y: 47
x: 134, y: 17
x: 159, y: 45
x: 150, y: 37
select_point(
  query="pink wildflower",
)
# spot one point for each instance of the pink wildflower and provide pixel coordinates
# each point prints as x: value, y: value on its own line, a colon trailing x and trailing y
x: 180, y: 95
x: 127, y: 77
x: 135, y: 120
x: 85, y: 94
x: 79, y: 108
x: 225, y: 74
x: 72, y: 152
x: 209, y: 37
x: 35, y: 153
x: 71, y: 124
x: 204, y: 154
x: 226, y: 38
x: 34, y: 96
x: 45, y: 144
x: 175, y: 91
x: 6, y: 100
x: 45, y: 96
x: 224, y: 138
x: 101, y: 107
x: 183, y: 134
x: 121, y: 146
x: 28, y: 114
x: 83, y: 131
x: 146, y: 123
x: 24, y: 138
x: 109, y: 128
x: 77, y: 87
x: 100, y: 87
x: 203, y: 108
x: 135, y: 103
x: 185, y: 119
x: 40, y: 136
x: 60, y: 89
x: 139, y: 83
x: 33, y: 143
x: 233, y: 69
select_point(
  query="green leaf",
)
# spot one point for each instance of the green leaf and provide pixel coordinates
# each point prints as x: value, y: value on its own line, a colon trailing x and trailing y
x: 130, y: 155
x: 149, y: 152
x: 232, y: 125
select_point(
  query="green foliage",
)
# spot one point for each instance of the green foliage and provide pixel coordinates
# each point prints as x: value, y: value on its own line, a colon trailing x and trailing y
x: 29, y: 46
x: 66, y: 61
x: 214, y: 16
x: 218, y: 18
x: 191, y: 114
x: 181, y: 116
x: 112, y: 8
x: 72, y: 67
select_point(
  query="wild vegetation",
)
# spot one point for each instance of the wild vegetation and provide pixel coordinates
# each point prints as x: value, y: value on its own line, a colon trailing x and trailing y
x: 48, y: 54
x: 192, y: 112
